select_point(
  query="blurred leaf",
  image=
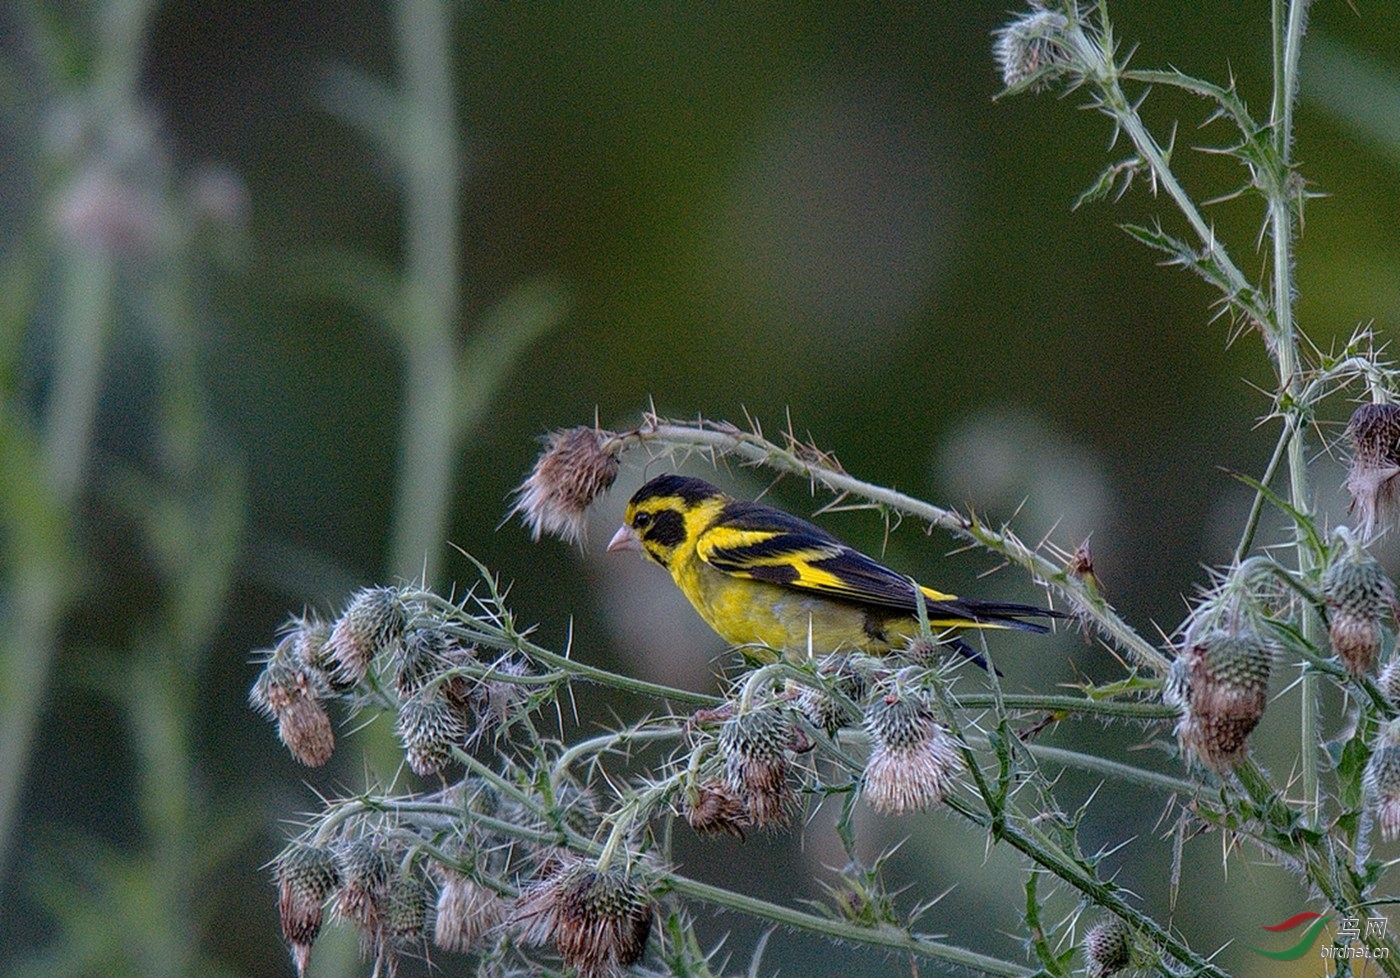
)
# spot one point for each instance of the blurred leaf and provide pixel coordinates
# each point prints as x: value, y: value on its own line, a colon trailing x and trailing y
x: 1359, y: 91
x: 366, y: 104
x: 363, y: 282
x: 523, y: 316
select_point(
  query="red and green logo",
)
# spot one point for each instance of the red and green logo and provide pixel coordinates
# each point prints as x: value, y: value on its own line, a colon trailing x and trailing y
x: 1304, y: 944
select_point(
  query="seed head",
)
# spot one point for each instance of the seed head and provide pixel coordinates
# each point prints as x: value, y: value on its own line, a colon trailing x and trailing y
x: 1358, y: 593
x: 914, y: 762
x: 1374, y: 431
x: 598, y: 919
x: 465, y: 911
x: 1382, y: 779
x: 1031, y: 50
x: 576, y: 467
x: 1108, y: 948
x: 756, y: 769
x: 1223, y: 683
x: 373, y: 624
x: 306, y: 875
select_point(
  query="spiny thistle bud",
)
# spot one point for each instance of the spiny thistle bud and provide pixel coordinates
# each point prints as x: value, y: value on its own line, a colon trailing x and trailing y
x: 712, y: 807
x: 364, y: 888
x: 406, y: 909
x: 577, y: 466
x: 306, y: 875
x: 289, y: 693
x: 754, y: 745
x: 465, y: 911
x: 495, y: 698
x: 430, y: 728
x: 425, y: 654
x: 1374, y: 430
x: 373, y: 624
x: 822, y: 709
x: 1031, y: 50
x: 913, y: 762
x: 598, y: 919
x: 1226, y: 683
x: 1358, y: 593
x: 1382, y: 779
x: 1108, y: 948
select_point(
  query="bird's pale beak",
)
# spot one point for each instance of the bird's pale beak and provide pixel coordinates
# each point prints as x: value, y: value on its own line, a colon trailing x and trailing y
x: 625, y: 539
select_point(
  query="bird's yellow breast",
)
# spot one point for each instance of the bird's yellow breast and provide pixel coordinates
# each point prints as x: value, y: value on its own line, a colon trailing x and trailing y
x: 749, y: 612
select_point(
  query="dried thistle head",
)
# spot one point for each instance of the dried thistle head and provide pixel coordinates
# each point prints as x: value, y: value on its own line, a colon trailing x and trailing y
x: 362, y: 897
x: 577, y: 466
x: 1108, y: 948
x: 306, y: 876
x: 465, y: 912
x: 1031, y: 50
x: 599, y: 919
x: 1374, y: 432
x: 1222, y: 684
x: 756, y: 768
x: 1358, y: 593
x: 914, y: 762
x: 712, y: 807
x: 1381, y: 781
x: 290, y: 693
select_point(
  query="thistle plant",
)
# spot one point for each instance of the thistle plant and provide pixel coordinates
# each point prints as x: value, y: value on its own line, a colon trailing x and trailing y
x: 529, y: 848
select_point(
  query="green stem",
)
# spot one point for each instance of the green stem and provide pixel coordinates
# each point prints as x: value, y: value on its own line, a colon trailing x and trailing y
x: 887, y: 938
x: 1287, y: 43
x: 431, y: 171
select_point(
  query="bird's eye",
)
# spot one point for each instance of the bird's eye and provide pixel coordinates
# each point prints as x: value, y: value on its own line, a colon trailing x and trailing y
x: 641, y: 521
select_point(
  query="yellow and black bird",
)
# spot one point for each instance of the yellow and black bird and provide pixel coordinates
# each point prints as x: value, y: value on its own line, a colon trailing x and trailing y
x: 762, y: 577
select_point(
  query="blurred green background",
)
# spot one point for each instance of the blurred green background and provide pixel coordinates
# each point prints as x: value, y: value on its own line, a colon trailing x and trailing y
x: 237, y: 264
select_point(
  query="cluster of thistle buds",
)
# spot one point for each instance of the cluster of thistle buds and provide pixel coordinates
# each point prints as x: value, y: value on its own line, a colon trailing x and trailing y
x: 446, y: 693
x: 596, y: 918
x: 1220, y: 683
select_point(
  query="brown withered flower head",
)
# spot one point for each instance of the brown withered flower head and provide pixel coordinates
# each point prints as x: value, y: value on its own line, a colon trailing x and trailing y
x: 577, y: 466
x: 1374, y: 433
x: 598, y: 919
x: 466, y: 911
x: 1220, y: 682
x: 306, y: 876
x: 291, y: 693
x: 712, y: 808
x: 756, y: 767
